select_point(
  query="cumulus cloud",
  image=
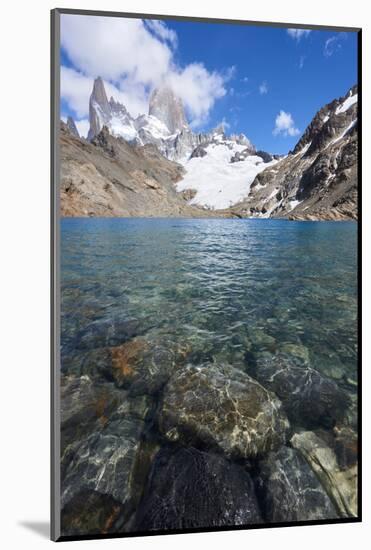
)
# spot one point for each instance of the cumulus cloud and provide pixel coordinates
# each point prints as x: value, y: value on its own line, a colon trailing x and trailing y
x: 263, y: 88
x: 298, y: 34
x: 133, y: 57
x: 333, y: 44
x: 285, y: 125
x: 198, y: 88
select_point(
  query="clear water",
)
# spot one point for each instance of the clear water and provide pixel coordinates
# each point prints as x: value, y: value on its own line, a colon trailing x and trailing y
x: 223, y: 286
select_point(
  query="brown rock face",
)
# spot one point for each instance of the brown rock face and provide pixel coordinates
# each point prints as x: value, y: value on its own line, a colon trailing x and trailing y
x: 110, y: 177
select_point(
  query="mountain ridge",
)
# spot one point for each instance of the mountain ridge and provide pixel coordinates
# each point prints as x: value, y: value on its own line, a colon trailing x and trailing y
x: 226, y: 175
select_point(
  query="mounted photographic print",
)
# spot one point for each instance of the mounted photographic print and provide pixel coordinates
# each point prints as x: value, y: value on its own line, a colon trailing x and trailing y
x: 205, y: 217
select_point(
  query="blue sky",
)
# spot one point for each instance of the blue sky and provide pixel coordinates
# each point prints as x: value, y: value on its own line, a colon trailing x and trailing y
x: 240, y: 74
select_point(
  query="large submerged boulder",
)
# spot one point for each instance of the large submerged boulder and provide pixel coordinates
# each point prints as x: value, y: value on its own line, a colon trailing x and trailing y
x: 291, y: 490
x: 310, y: 399
x: 188, y: 488
x: 218, y: 406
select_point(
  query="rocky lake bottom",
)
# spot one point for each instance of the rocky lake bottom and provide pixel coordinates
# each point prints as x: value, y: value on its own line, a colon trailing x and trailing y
x: 208, y: 373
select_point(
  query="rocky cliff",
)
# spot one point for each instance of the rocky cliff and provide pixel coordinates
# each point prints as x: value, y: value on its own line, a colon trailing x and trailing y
x: 318, y: 179
x: 168, y: 108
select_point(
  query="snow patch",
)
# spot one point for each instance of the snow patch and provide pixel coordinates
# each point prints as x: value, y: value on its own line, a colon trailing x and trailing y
x: 347, y: 129
x: 218, y: 182
x: 293, y: 203
x: 349, y: 101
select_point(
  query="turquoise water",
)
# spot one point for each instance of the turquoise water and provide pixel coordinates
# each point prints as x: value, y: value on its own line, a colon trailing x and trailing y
x: 229, y: 288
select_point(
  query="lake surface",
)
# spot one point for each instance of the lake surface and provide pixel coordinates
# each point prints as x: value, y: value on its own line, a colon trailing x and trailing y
x: 155, y: 313
x: 226, y: 287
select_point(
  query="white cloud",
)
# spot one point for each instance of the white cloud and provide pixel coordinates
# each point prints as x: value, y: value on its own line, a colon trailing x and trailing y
x: 263, y: 88
x: 163, y: 32
x: 198, y: 89
x: 301, y: 61
x: 285, y: 125
x: 332, y: 44
x: 132, y: 56
x: 245, y: 79
x: 297, y: 34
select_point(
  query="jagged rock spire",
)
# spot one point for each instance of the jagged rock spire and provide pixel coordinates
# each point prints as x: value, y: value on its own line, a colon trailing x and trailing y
x: 99, y: 108
x: 72, y: 127
x: 167, y: 107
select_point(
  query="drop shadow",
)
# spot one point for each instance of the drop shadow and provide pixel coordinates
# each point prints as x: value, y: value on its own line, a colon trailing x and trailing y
x: 41, y: 528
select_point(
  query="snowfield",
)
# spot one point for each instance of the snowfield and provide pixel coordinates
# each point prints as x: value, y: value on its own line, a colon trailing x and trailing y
x: 218, y: 182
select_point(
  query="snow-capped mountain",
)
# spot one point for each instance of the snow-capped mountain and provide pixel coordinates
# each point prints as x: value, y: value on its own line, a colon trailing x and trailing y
x: 165, y: 125
x: 110, y: 113
x: 318, y: 179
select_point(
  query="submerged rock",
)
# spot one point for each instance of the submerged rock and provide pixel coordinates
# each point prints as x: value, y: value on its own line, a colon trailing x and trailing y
x: 141, y: 365
x: 91, y: 513
x: 107, y: 332
x: 188, y: 488
x: 291, y: 490
x: 144, y: 366
x: 102, y: 442
x: 346, y: 446
x: 340, y: 484
x: 310, y: 399
x: 217, y: 406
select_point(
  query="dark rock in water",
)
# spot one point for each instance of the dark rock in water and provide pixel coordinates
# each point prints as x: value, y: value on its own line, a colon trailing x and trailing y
x: 102, y: 441
x: 217, y: 406
x: 290, y: 489
x: 108, y: 332
x: 85, y: 406
x: 192, y: 489
x: 145, y: 366
x: 90, y: 513
x: 310, y: 399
